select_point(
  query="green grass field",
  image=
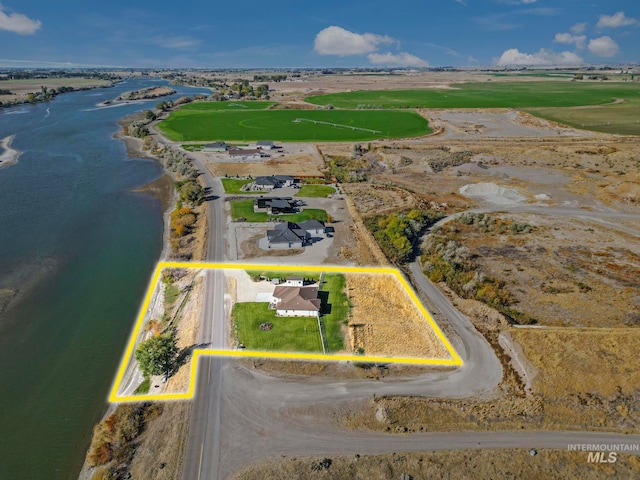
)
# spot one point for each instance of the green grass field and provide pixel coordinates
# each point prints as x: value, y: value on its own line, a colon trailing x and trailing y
x: 338, y: 310
x: 488, y: 95
x: 289, y: 334
x: 621, y: 118
x: 244, y: 209
x: 230, y: 106
x: 315, y: 191
x: 291, y: 125
x: 233, y: 185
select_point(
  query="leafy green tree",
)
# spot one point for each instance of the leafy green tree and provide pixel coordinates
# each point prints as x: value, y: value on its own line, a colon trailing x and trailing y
x: 191, y: 192
x: 157, y: 355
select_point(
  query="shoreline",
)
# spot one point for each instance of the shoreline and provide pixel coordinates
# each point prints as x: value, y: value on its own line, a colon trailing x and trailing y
x: 161, y: 188
x: 9, y: 156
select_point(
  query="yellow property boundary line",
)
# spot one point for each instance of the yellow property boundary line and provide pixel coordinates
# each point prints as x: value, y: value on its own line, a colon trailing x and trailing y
x: 455, y: 359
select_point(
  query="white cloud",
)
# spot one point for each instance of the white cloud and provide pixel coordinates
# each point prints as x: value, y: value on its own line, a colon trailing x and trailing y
x: 401, y: 59
x: 616, y: 20
x: 513, y: 56
x: 603, y: 47
x: 17, y: 22
x: 472, y: 59
x: 578, y: 40
x: 578, y: 28
x: 338, y: 41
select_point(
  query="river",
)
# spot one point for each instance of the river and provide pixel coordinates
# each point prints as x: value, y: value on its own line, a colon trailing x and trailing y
x: 79, y: 247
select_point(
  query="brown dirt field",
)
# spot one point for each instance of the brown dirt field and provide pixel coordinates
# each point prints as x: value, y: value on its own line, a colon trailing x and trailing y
x: 161, y: 448
x: 201, y: 233
x: 22, y: 87
x: 187, y: 336
x: 565, y: 273
x: 291, y: 164
x: 586, y: 380
x: 388, y: 322
x: 366, y: 251
x: 602, y: 362
x: 340, y: 370
x: 461, y: 465
x: 378, y: 199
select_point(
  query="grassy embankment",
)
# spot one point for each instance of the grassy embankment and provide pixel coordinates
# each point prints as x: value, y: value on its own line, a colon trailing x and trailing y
x: 244, y: 209
x: 291, y: 125
x: 233, y: 185
x: 609, y: 107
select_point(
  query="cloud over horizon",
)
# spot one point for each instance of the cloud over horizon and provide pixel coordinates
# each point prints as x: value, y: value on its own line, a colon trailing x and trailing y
x: 401, y: 59
x: 17, y: 22
x: 603, y: 47
x: 338, y: 41
x: 513, y: 56
x: 578, y: 40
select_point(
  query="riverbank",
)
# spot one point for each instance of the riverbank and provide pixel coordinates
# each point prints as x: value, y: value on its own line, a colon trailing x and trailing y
x: 172, y: 421
x: 9, y: 156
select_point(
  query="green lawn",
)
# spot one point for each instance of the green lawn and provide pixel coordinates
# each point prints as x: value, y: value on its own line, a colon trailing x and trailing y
x: 562, y: 93
x: 336, y: 310
x: 233, y: 185
x: 231, y: 105
x: 292, y: 125
x: 171, y: 293
x: 315, y: 191
x: 289, y: 334
x: 244, y: 208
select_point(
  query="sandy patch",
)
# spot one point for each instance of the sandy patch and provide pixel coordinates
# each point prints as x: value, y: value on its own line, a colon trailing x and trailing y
x: 9, y: 156
x: 491, y: 193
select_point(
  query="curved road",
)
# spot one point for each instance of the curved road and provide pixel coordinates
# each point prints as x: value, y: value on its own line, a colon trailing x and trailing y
x: 242, y: 416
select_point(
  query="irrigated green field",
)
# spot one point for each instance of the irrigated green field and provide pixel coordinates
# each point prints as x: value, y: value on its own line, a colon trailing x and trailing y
x: 488, y: 95
x: 291, y: 125
x: 619, y: 118
x: 231, y: 106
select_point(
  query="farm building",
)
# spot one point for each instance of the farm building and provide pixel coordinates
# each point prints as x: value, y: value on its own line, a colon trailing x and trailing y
x: 244, y: 152
x: 217, y: 147
x: 290, y: 301
x: 265, y: 144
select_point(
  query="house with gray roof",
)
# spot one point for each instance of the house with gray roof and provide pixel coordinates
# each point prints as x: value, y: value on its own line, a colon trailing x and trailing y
x: 286, y: 235
x: 313, y: 227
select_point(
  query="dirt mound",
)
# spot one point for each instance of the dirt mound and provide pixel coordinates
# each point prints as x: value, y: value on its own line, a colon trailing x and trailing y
x: 492, y: 193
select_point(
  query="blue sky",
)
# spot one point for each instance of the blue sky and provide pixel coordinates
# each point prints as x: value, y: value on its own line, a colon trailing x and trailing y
x: 287, y: 33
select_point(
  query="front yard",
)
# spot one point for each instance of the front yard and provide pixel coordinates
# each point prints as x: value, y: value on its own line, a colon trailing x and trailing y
x: 244, y: 209
x: 289, y: 334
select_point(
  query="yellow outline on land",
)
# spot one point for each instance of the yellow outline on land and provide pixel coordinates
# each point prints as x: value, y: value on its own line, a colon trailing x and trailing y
x: 455, y: 359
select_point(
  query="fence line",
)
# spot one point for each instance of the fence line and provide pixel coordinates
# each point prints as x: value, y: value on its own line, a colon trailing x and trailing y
x: 323, y: 333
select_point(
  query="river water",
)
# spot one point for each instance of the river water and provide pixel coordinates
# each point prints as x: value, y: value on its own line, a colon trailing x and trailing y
x: 80, y: 248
